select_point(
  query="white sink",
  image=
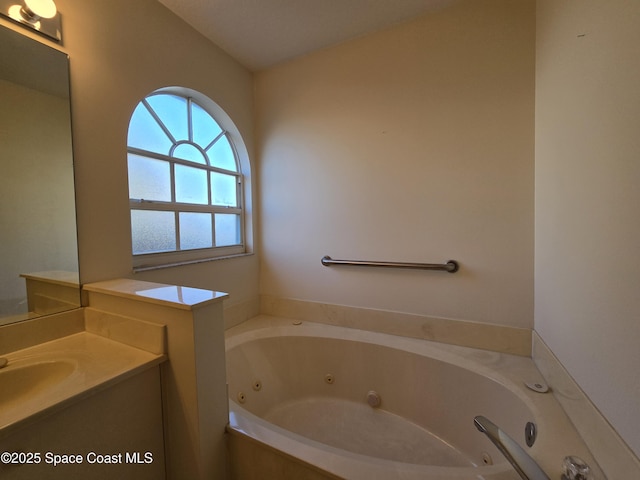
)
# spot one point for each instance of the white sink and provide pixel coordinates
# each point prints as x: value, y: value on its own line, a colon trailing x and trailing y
x: 22, y: 381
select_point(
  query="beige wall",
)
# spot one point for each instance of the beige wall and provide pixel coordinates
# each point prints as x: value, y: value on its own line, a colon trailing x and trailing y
x: 37, y: 211
x: 414, y: 144
x: 587, y: 301
x: 119, y: 52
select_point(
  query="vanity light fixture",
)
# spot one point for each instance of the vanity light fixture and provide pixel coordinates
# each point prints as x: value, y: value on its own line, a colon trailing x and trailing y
x: 40, y: 15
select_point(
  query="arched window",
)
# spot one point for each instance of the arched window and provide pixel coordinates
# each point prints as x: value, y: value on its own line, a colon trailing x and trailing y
x: 185, y: 181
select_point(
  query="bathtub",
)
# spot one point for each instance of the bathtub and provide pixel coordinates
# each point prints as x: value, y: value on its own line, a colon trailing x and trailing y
x: 309, y: 400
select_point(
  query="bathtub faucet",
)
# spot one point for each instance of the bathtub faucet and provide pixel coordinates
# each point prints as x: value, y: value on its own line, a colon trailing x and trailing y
x: 526, y: 466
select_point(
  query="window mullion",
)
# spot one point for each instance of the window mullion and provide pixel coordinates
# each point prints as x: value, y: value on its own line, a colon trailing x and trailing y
x: 160, y: 156
x: 136, y: 204
x: 233, y: 210
x: 160, y: 122
x: 177, y: 223
x: 213, y: 142
x: 209, y: 188
x: 181, y: 207
x: 190, y: 119
x: 173, y: 182
x: 213, y: 229
x: 224, y: 170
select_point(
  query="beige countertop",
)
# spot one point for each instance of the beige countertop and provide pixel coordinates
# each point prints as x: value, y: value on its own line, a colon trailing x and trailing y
x: 48, y: 377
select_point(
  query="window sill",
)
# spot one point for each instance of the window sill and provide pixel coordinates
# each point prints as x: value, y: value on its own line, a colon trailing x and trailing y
x: 146, y: 268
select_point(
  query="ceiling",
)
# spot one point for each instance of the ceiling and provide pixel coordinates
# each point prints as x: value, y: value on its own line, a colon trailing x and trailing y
x: 263, y: 33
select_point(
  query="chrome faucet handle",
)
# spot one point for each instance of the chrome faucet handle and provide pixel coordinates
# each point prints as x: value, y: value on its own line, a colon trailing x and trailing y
x: 574, y: 468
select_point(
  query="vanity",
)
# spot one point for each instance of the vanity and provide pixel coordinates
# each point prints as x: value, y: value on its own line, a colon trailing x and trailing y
x: 81, y: 406
x: 131, y: 386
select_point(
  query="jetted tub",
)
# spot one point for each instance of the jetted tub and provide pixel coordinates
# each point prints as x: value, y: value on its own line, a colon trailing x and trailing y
x: 354, y: 404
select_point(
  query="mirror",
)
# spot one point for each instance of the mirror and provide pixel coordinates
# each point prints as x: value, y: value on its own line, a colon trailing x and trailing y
x: 38, y: 239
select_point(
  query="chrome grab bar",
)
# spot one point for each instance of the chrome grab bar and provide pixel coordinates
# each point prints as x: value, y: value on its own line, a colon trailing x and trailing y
x: 521, y: 461
x: 451, y: 266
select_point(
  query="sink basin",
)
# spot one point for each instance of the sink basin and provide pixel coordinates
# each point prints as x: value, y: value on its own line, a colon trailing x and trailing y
x: 19, y: 382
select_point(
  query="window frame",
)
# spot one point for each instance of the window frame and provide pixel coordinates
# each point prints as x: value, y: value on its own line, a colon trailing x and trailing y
x: 152, y: 260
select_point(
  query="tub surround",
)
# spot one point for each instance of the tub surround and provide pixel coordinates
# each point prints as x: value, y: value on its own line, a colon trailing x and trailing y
x: 250, y: 460
x: 195, y: 407
x: 613, y: 454
x: 241, y: 311
x: 485, y: 336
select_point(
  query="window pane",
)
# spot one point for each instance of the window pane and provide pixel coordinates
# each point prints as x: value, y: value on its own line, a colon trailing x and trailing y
x: 145, y: 133
x: 153, y: 231
x: 221, y: 155
x: 172, y: 111
x: 223, y: 190
x: 195, y: 230
x: 205, y: 128
x: 149, y: 179
x: 227, y: 229
x: 187, y: 151
x: 191, y: 185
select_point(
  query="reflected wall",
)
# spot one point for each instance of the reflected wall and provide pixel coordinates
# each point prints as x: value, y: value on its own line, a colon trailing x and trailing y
x: 38, y: 241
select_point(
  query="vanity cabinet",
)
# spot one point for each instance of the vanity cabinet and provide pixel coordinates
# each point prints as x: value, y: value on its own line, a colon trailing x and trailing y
x: 116, y: 432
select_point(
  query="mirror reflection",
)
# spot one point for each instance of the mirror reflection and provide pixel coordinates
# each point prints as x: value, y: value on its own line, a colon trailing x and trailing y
x: 38, y: 243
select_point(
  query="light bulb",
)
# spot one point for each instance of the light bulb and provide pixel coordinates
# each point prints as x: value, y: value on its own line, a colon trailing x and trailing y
x: 19, y: 14
x: 42, y: 8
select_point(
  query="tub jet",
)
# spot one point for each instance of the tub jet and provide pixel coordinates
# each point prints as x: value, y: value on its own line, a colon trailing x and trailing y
x: 539, y: 387
x: 373, y: 399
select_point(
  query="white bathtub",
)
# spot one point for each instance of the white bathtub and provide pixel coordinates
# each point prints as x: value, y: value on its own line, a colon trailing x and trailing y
x: 301, y: 392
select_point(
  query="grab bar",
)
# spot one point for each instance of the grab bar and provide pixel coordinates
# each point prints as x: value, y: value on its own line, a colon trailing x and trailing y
x: 451, y: 266
x: 521, y: 461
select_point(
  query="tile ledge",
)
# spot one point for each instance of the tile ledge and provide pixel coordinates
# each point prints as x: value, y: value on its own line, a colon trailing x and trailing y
x: 485, y: 336
x: 175, y: 296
